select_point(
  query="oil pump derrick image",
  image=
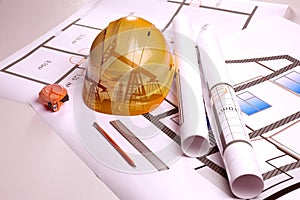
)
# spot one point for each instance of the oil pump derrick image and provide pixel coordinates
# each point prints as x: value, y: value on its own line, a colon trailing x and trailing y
x: 138, y: 94
x: 98, y: 93
x: 130, y: 69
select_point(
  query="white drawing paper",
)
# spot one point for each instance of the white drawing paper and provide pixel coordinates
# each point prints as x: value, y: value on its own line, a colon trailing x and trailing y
x: 192, y: 116
x: 226, y: 120
x: 185, y: 177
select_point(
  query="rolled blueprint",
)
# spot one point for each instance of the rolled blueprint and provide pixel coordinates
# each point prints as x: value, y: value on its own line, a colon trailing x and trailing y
x: 193, y: 126
x: 226, y: 121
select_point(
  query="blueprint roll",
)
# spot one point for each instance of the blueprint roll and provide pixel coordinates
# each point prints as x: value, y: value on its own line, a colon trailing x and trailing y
x: 193, y: 125
x: 226, y: 121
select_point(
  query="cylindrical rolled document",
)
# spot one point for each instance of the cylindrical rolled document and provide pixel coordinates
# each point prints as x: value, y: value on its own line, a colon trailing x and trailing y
x: 193, y: 126
x: 226, y: 121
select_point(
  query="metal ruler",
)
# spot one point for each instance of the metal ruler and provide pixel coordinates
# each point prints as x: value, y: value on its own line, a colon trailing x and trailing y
x: 139, y: 145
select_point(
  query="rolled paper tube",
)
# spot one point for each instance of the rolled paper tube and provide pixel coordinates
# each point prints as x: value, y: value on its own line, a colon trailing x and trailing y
x: 193, y: 125
x: 226, y: 121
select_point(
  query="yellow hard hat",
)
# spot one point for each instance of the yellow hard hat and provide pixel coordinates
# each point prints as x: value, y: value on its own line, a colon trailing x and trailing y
x: 129, y: 70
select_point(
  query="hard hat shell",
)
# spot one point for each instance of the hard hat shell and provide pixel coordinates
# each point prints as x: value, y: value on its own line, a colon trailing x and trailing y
x: 130, y: 68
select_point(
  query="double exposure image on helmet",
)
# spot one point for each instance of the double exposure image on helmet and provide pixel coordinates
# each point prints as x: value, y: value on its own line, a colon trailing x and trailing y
x: 130, y: 68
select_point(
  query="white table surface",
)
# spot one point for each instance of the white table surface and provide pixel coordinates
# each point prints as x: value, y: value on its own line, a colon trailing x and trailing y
x: 35, y: 163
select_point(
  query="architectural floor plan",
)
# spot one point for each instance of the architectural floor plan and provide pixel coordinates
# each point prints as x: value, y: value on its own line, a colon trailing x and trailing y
x: 266, y: 81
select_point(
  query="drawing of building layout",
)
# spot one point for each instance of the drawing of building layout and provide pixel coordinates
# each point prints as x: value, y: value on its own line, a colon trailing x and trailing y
x: 60, y: 58
x: 70, y: 46
x: 276, y: 137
